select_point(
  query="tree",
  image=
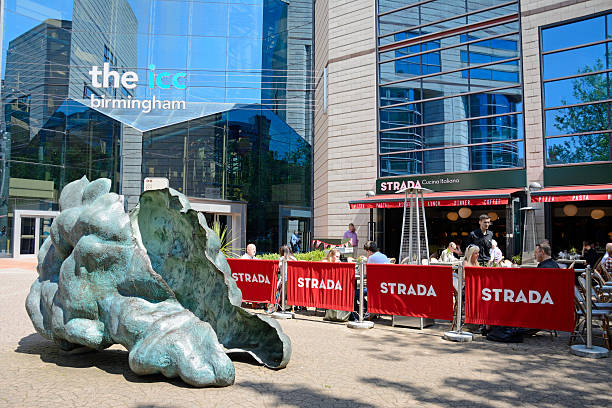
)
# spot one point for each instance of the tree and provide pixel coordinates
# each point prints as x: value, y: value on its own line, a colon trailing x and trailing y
x: 585, y: 118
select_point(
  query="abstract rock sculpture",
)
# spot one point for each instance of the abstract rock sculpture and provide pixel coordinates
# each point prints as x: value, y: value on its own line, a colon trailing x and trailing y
x: 153, y: 281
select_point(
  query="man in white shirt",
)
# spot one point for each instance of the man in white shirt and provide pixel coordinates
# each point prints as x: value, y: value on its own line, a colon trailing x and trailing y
x: 250, y: 252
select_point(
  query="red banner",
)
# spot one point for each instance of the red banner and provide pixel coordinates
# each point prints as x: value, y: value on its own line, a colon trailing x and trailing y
x: 256, y: 278
x: 431, y: 203
x: 584, y: 196
x: 535, y: 298
x: 410, y: 290
x: 321, y: 284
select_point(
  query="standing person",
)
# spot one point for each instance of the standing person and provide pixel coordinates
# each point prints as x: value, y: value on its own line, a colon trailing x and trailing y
x: 295, y: 242
x: 352, y: 235
x: 251, y: 250
x: 589, y: 253
x: 283, y: 251
x: 482, y: 238
x: 496, y: 254
x: 542, y: 255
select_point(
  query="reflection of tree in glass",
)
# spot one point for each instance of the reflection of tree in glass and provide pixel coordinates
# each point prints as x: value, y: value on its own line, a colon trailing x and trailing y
x: 585, y: 118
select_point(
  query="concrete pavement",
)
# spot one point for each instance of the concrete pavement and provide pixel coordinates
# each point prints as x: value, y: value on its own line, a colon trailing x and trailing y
x: 331, y: 366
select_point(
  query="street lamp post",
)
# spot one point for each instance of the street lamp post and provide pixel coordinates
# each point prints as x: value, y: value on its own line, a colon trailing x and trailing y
x: 371, y: 224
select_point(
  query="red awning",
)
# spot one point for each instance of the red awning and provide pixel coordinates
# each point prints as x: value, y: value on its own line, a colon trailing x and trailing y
x: 440, y: 199
x: 572, y: 193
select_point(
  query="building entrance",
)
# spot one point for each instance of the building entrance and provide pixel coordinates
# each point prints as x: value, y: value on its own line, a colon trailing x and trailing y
x: 31, y: 229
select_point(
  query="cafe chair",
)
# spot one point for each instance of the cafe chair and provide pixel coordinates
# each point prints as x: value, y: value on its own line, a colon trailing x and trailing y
x: 579, y: 294
x: 600, y: 318
x: 596, y: 296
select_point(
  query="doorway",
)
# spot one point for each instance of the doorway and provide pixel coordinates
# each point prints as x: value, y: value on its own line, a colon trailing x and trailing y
x: 30, y: 230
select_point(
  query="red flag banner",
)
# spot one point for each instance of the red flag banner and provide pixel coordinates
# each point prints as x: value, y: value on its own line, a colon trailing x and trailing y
x: 410, y: 290
x: 535, y: 298
x: 321, y: 284
x: 256, y: 278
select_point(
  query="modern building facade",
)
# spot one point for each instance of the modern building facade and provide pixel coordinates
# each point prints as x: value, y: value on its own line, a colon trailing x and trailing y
x: 214, y: 97
x: 493, y: 105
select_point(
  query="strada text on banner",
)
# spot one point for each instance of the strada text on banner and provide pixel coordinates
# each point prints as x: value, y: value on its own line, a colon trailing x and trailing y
x: 411, y: 290
x: 256, y: 279
x: 321, y: 284
x: 534, y: 298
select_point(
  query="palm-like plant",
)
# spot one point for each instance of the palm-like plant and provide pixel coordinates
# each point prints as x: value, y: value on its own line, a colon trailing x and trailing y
x: 225, y: 234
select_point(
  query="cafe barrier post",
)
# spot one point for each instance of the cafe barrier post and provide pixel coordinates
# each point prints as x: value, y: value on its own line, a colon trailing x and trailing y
x: 282, y: 314
x: 588, y: 350
x: 361, y: 324
x: 458, y: 335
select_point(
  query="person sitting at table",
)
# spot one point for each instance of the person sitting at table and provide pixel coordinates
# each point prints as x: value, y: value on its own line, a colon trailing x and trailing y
x: 448, y: 255
x: 471, y: 255
x: 496, y: 254
x: 332, y: 256
x: 542, y: 254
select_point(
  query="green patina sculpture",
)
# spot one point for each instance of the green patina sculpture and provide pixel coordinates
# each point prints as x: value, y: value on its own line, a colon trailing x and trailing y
x: 153, y: 280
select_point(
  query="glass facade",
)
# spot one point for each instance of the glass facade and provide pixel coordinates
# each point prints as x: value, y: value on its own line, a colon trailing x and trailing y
x: 242, y: 67
x: 576, y: 68
x: 449, y: 87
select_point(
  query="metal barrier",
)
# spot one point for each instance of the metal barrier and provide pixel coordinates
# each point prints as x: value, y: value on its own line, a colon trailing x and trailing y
x: 361, y: 324
x: 458, y: 335
x: 283, y: 314
x: 588, y: 350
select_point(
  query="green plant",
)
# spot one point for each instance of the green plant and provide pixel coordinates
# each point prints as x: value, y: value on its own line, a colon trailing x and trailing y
x: 573, y: 251
x: 315, y: 255
x: 269, y: 257
x: 516, y: 259
x: 226, y: 243
x: 305, y: 256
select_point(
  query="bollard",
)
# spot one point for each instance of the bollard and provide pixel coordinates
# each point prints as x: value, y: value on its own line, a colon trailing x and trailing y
x: 361, y: 324
x: 282, y: 314
x: 588, y: 350
x: 458, y: 335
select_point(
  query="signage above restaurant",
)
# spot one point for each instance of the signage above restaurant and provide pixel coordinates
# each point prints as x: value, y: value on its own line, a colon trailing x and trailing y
x: 455, y: 181
x: 566, y: 198
x: 466, y: 202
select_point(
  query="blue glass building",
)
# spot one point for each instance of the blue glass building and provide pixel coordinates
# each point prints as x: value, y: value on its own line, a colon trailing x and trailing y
x: 237, y: 139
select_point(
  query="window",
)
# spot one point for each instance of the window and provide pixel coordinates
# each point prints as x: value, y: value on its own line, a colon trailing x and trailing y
x: 449, y: 102
x: 88, y: 92
x: 576, y: 80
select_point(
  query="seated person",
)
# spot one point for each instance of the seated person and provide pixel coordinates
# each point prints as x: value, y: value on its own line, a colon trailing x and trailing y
x: 448, y: 255
x: 471, y: 256
x: 332, y: 256
x: 496, y: 254
x: 251, y: 250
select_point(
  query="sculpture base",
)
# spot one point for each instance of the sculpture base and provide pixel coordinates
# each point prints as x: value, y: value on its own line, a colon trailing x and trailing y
x: 458, y: 336
x: 581, y: 350
x: 283, y: 315
x: 360, y: 325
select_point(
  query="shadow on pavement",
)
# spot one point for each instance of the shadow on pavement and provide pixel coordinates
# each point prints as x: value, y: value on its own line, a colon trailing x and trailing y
x: 112, y: 361
x: 300, y: 396
x: 515, y: 380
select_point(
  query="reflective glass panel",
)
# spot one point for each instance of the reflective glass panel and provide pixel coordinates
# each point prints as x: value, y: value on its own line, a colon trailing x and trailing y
x: 577, y: 119
x: 591, y: 88
x: 578, y: 149
x: 572, y: 62
x: 568, y: 35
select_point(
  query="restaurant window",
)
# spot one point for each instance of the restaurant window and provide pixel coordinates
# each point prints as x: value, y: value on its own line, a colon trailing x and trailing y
x: 576, y: 69
x: 449, y: 102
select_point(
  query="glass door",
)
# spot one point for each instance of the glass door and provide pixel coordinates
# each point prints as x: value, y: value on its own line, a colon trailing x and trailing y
x: 28, y: 236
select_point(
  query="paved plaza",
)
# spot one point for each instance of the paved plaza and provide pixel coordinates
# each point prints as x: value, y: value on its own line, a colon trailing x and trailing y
x: 331, y: 366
